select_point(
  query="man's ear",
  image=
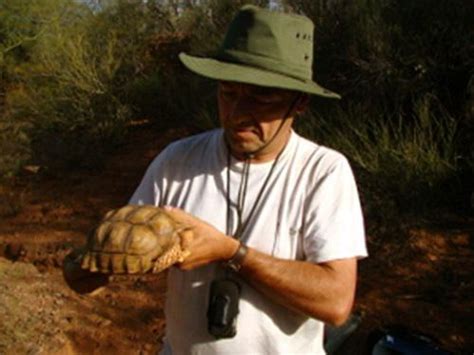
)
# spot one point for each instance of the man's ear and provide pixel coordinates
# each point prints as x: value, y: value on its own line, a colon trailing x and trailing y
x: 302, y: 103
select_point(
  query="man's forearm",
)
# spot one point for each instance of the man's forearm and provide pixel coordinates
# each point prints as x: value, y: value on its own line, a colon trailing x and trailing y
x: 323, y: 291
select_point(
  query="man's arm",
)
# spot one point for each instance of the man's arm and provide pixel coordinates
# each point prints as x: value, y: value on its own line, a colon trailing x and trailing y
x: 324, y: 291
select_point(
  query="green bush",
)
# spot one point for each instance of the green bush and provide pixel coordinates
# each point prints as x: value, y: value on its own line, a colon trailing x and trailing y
x: 21, y: 25
x: 69, y: 96
x: 68, y: 88
x: 13, y: 147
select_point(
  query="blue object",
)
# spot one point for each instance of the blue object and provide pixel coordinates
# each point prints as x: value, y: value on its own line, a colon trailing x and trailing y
x: 403, y: 343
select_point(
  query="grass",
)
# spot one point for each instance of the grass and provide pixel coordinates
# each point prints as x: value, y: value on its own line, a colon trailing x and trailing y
x: 408, y: 159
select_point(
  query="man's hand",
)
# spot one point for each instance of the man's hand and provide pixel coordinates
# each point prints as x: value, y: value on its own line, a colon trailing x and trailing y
x: 204, y: 242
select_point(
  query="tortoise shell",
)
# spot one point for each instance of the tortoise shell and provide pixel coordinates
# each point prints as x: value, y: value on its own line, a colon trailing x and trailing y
x: 134, y: 239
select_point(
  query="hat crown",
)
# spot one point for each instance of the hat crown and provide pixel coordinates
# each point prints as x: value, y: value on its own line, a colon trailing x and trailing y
x: 270, y: 40
x: 264, y: 48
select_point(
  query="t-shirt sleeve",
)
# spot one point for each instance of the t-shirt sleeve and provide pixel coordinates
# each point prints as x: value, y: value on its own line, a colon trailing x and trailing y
x: 334, y: 226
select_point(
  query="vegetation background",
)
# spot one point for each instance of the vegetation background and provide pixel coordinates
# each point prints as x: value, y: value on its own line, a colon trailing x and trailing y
x: 76, y: 75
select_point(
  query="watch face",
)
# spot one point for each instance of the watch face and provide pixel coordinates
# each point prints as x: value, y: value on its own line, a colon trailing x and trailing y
x: 231, y: 265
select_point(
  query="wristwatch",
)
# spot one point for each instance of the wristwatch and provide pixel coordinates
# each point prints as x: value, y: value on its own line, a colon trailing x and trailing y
x: 235, y: 263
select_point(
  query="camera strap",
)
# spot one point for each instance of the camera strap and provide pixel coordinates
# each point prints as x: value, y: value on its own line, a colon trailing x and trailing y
x: 241, y: 224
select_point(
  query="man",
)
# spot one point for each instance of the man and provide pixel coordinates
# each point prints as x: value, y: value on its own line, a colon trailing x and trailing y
x: 274, y: 213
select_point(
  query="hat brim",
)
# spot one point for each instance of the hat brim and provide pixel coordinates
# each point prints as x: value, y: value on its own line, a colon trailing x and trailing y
x: 219, y: 70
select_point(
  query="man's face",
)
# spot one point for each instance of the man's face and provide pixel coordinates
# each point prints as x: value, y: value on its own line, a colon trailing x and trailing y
x: 251, y: 115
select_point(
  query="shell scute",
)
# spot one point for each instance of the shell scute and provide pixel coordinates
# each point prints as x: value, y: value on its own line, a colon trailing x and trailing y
x: 121, y: 213
x: 116, y: 239
x: 100, y: 233
x: 103, y: 261
x: 143, y: 240
x: 142, y: 215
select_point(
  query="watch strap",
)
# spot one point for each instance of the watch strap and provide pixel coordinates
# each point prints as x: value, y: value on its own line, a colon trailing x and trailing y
x: 235, y: 262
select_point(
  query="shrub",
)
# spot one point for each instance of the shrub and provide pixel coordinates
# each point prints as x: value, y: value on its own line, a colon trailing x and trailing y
x: 13, y: 146
x: 70, y: 97
x: 69, y: 90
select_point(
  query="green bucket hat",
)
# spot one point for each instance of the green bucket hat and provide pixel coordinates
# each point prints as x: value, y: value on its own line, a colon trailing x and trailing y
x: 264, y: 48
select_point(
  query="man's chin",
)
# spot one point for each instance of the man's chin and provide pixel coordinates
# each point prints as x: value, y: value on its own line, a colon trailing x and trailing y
x: 241, y: 145
x: 243, y: 150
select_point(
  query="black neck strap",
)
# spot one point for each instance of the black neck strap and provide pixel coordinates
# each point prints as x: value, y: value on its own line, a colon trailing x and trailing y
x: 241, y: 224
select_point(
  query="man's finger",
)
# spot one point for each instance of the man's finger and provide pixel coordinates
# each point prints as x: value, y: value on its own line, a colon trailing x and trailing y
x: 187, y: 237
x: 186, y: 266
x: 179, y: 215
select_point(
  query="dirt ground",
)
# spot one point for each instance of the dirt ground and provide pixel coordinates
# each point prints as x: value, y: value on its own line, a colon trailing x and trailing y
x: 423, y: 281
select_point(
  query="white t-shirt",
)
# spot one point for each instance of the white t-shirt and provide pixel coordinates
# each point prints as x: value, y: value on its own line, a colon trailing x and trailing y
x: 309, y: 211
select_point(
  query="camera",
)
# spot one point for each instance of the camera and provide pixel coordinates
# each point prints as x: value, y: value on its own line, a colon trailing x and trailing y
x: 223, y: 308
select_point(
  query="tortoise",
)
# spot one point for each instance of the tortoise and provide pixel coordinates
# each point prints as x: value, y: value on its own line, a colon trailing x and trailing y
x: 134, y: 239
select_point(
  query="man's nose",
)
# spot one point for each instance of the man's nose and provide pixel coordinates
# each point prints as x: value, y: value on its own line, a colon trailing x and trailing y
x: 240, y: 109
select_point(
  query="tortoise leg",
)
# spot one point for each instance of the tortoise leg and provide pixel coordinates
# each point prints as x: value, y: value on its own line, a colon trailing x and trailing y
x: 172, y: 256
